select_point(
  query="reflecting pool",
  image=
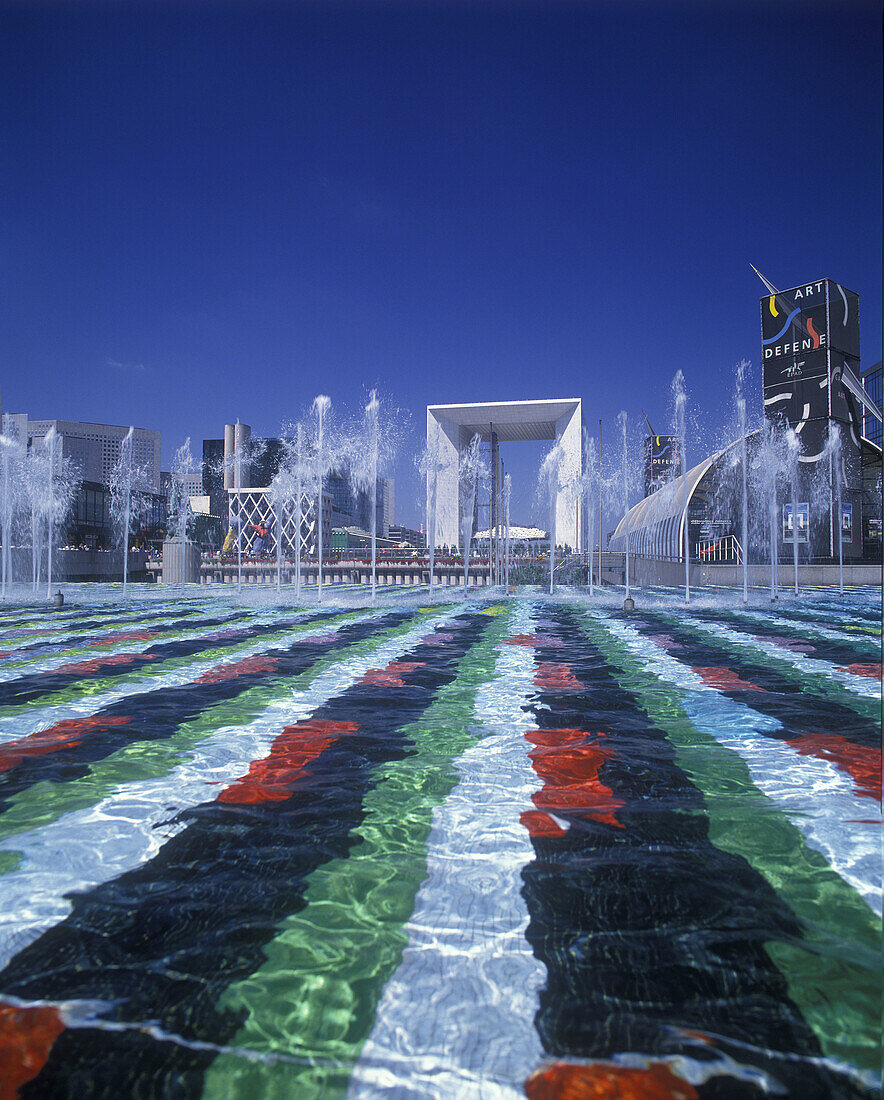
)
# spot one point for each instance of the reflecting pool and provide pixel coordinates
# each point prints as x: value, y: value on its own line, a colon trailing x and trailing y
x: 475, y: 849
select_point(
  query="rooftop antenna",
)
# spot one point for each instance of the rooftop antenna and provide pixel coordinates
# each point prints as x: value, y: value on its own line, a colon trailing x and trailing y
x: 771, y: 288
x: 650, y: 429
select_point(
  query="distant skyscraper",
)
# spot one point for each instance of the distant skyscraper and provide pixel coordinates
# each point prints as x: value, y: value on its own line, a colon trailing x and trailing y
x: 94, y: 449
x: 389, y: 504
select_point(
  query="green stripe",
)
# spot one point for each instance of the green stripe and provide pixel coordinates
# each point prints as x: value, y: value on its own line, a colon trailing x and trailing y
x: 314, y: 1001
x: 834, y: 972
x: 45, y: 802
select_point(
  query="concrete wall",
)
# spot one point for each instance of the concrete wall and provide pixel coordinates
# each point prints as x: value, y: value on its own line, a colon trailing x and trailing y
x: 648, y: 571
x: 443, y: 439
x: 569, y: 433
x: 95, y: 565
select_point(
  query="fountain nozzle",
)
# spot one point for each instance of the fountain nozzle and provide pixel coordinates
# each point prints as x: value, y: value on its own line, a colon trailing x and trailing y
x: 58, y: 599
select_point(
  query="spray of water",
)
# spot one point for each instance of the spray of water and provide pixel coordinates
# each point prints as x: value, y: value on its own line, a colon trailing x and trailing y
x: 12, y: 455
x: 740, y: 400
x: 792, y: 453
x: 286, y: 497
x: 430, y: 466
x: 834, y: 453
x: 622, y: 421
x: 507, y: 497
x: 321, y: 407
x: 184, y: 466
x: 680, y: 399
x: 768, y: 467
x: 590, y: 489
x: 471, y: 470
x: 549, y: 480
x: 370, y: 451
x: 129, y: 484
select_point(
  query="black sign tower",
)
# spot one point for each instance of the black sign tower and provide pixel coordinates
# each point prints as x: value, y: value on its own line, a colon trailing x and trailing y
x: 810, y: 341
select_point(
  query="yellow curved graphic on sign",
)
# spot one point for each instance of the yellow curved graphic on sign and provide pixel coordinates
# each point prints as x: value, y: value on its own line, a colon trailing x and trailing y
x: 774, y: 312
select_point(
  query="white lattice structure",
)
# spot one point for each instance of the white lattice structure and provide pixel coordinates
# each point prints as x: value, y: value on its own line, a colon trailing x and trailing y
x: 256, y: 508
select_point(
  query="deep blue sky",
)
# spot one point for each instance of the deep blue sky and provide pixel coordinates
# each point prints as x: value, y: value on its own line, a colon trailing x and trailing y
x: 211, y: 211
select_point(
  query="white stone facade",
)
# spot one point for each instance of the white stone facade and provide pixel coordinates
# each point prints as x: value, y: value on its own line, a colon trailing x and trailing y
x: 451, y: 427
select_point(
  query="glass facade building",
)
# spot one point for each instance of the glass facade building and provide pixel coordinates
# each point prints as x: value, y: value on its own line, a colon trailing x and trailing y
x: 871, y: 380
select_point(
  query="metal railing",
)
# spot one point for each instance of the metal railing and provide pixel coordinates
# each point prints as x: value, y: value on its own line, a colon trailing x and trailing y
x: 725, y: 549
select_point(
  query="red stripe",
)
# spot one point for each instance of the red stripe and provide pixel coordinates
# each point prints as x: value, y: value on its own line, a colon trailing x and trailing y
x: 26, y: 1038
x: 99, y: 663
x: 237, y: 668
x: 540, y: 824
x: 570, y: 1081
x: 725, y: 679
x: 64, y: 735
x: 556, y: 677
x: 568, y: 762
x: 546, y: 640
x: 127, y: 636
x: 873, y: 671
x: 392, y: 675
x: 861, y: 762
x: 271, y: 779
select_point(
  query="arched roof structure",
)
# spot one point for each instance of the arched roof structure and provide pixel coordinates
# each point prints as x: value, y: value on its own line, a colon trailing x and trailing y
x: 656, y: 524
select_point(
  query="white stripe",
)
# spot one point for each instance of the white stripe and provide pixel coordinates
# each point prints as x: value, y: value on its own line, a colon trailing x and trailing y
x: 124, y: 830
x: 817, y: 796
x: 471, y: 1034
x: 779, y: 397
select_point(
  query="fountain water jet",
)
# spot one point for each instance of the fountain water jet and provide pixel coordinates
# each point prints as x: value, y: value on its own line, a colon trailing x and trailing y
x: 680, y: 430
x: 183, y: 466
x: 592, y: 486
x: 128, y: 485
x: 793, y: 449
x: 833, y: 452
x: 370, y: 450
x: 430, y: 465
x: 621, y: 419
x: 741, y: 415
x: 12, y: 456
x: 507, y: 496
x: 471, y: 470
x: 321, y: 406
x: 550, y: 470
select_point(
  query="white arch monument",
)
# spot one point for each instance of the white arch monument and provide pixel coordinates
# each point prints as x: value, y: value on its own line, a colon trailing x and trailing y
x: 451, y: 427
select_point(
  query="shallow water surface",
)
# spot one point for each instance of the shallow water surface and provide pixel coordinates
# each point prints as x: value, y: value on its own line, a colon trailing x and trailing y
x: 528, y: 848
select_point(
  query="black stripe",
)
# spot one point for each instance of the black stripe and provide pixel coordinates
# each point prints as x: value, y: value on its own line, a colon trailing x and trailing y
x: 651, y: 928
